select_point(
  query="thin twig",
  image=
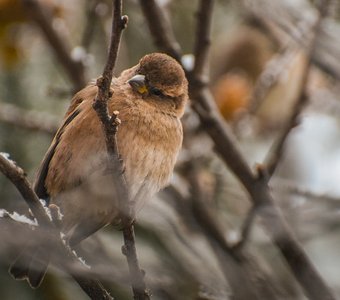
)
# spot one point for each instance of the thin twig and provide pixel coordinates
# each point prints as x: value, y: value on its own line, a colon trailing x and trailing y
x: 17, y: 176
x: 275, y: 154
x: 110, y: 125
x: 226, y: 146
x: 27, y: 119
x: 74, y: 69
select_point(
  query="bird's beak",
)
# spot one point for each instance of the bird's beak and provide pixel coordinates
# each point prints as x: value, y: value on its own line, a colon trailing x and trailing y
x: 137, y: 82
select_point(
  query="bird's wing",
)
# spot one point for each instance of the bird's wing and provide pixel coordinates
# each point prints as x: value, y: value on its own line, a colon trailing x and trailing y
x: 72, y: 112
x: 83, y: 228
x: 39, y: 185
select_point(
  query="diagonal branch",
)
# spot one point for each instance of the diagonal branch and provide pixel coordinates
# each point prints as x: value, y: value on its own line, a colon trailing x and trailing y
x: 202, y: 42
x: 17, y: 176
x: 276, y: 152
x: 110, y: 126
x: 245, y: 276
x: 91, y: 22
x: 160, y: 28
x: 313, y: 285
x: 74, y: 69
x: 27, y: 119
x: 270, y: 76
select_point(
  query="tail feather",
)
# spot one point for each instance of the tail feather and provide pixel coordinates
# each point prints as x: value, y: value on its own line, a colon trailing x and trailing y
x: 19, y: 268
x: 30, y: 267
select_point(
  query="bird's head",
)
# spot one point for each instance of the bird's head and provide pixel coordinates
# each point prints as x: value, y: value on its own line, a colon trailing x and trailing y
x: 161, y: 80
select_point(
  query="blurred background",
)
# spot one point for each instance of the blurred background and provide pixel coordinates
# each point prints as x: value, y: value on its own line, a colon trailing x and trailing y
x: 259, y: 53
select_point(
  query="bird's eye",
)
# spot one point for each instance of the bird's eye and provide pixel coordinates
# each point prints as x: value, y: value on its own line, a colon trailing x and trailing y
x: 156, y: 92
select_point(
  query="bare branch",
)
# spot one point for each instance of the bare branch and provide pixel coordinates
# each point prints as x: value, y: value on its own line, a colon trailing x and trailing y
x: 292, y: 189
x: 224, y: 142
x: 110, y: 125
x: 91, y: 22
x: 246, y: 227
x: 204, y: 104
x: 269, y: 77
x: 276, y: 66
x: 202, y: 41
x: 236, y: 266
x: 31, y: 120
x: 17, y: 176
x: 203, y: 214
x: 74, y: 69
x: 160, y: 28
x: 276, y: 152
x: 280, y: 20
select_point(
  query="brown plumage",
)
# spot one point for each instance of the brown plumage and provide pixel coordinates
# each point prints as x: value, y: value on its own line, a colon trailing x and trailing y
x: 150, y: 98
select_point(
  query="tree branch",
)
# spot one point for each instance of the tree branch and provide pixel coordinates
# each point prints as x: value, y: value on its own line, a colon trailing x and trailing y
x: 17, y: 176
x: 276, y: 152
x: 202, y: 41
x: 91, y: 22
x: 110, y: 125
x: 245, y: 276
x: 313, y: 285
x: 160, y: 28
x: 74, y: 69
x: 269, y: 77
x: 30, y: 120
x: 246, y: 227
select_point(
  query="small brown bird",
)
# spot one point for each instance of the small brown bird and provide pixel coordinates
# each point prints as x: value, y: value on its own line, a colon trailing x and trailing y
x: 150, y: 98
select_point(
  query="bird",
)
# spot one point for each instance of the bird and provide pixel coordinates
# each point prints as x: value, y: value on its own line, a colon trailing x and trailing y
x: 150, y: 98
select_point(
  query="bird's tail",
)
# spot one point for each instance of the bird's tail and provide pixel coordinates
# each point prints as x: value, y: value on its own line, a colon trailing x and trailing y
x: 31, y: 265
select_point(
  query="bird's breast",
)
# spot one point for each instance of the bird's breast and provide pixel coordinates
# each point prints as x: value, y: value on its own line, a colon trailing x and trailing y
x: 149, y: 144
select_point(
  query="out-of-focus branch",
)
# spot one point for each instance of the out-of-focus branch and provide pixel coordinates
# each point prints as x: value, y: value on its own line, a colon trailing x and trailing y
x: 225, y: 145
x: 91, y: 22
x: 110, y: 125
x: 74, y: 69
x: 276, y: 66
x: 17, y: 176
x: 246, y: 227
x: 245, y: 276
x: 204, y: 215
x: 30, y: 120
x: 280, y: 20
x: 269, y: 77
x: 160, y: 28
x: 202, y: 42
x: 305, y: 192
x: 276, y: 152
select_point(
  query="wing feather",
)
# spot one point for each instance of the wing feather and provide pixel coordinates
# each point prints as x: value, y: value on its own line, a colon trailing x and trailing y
x: 39, y: 185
